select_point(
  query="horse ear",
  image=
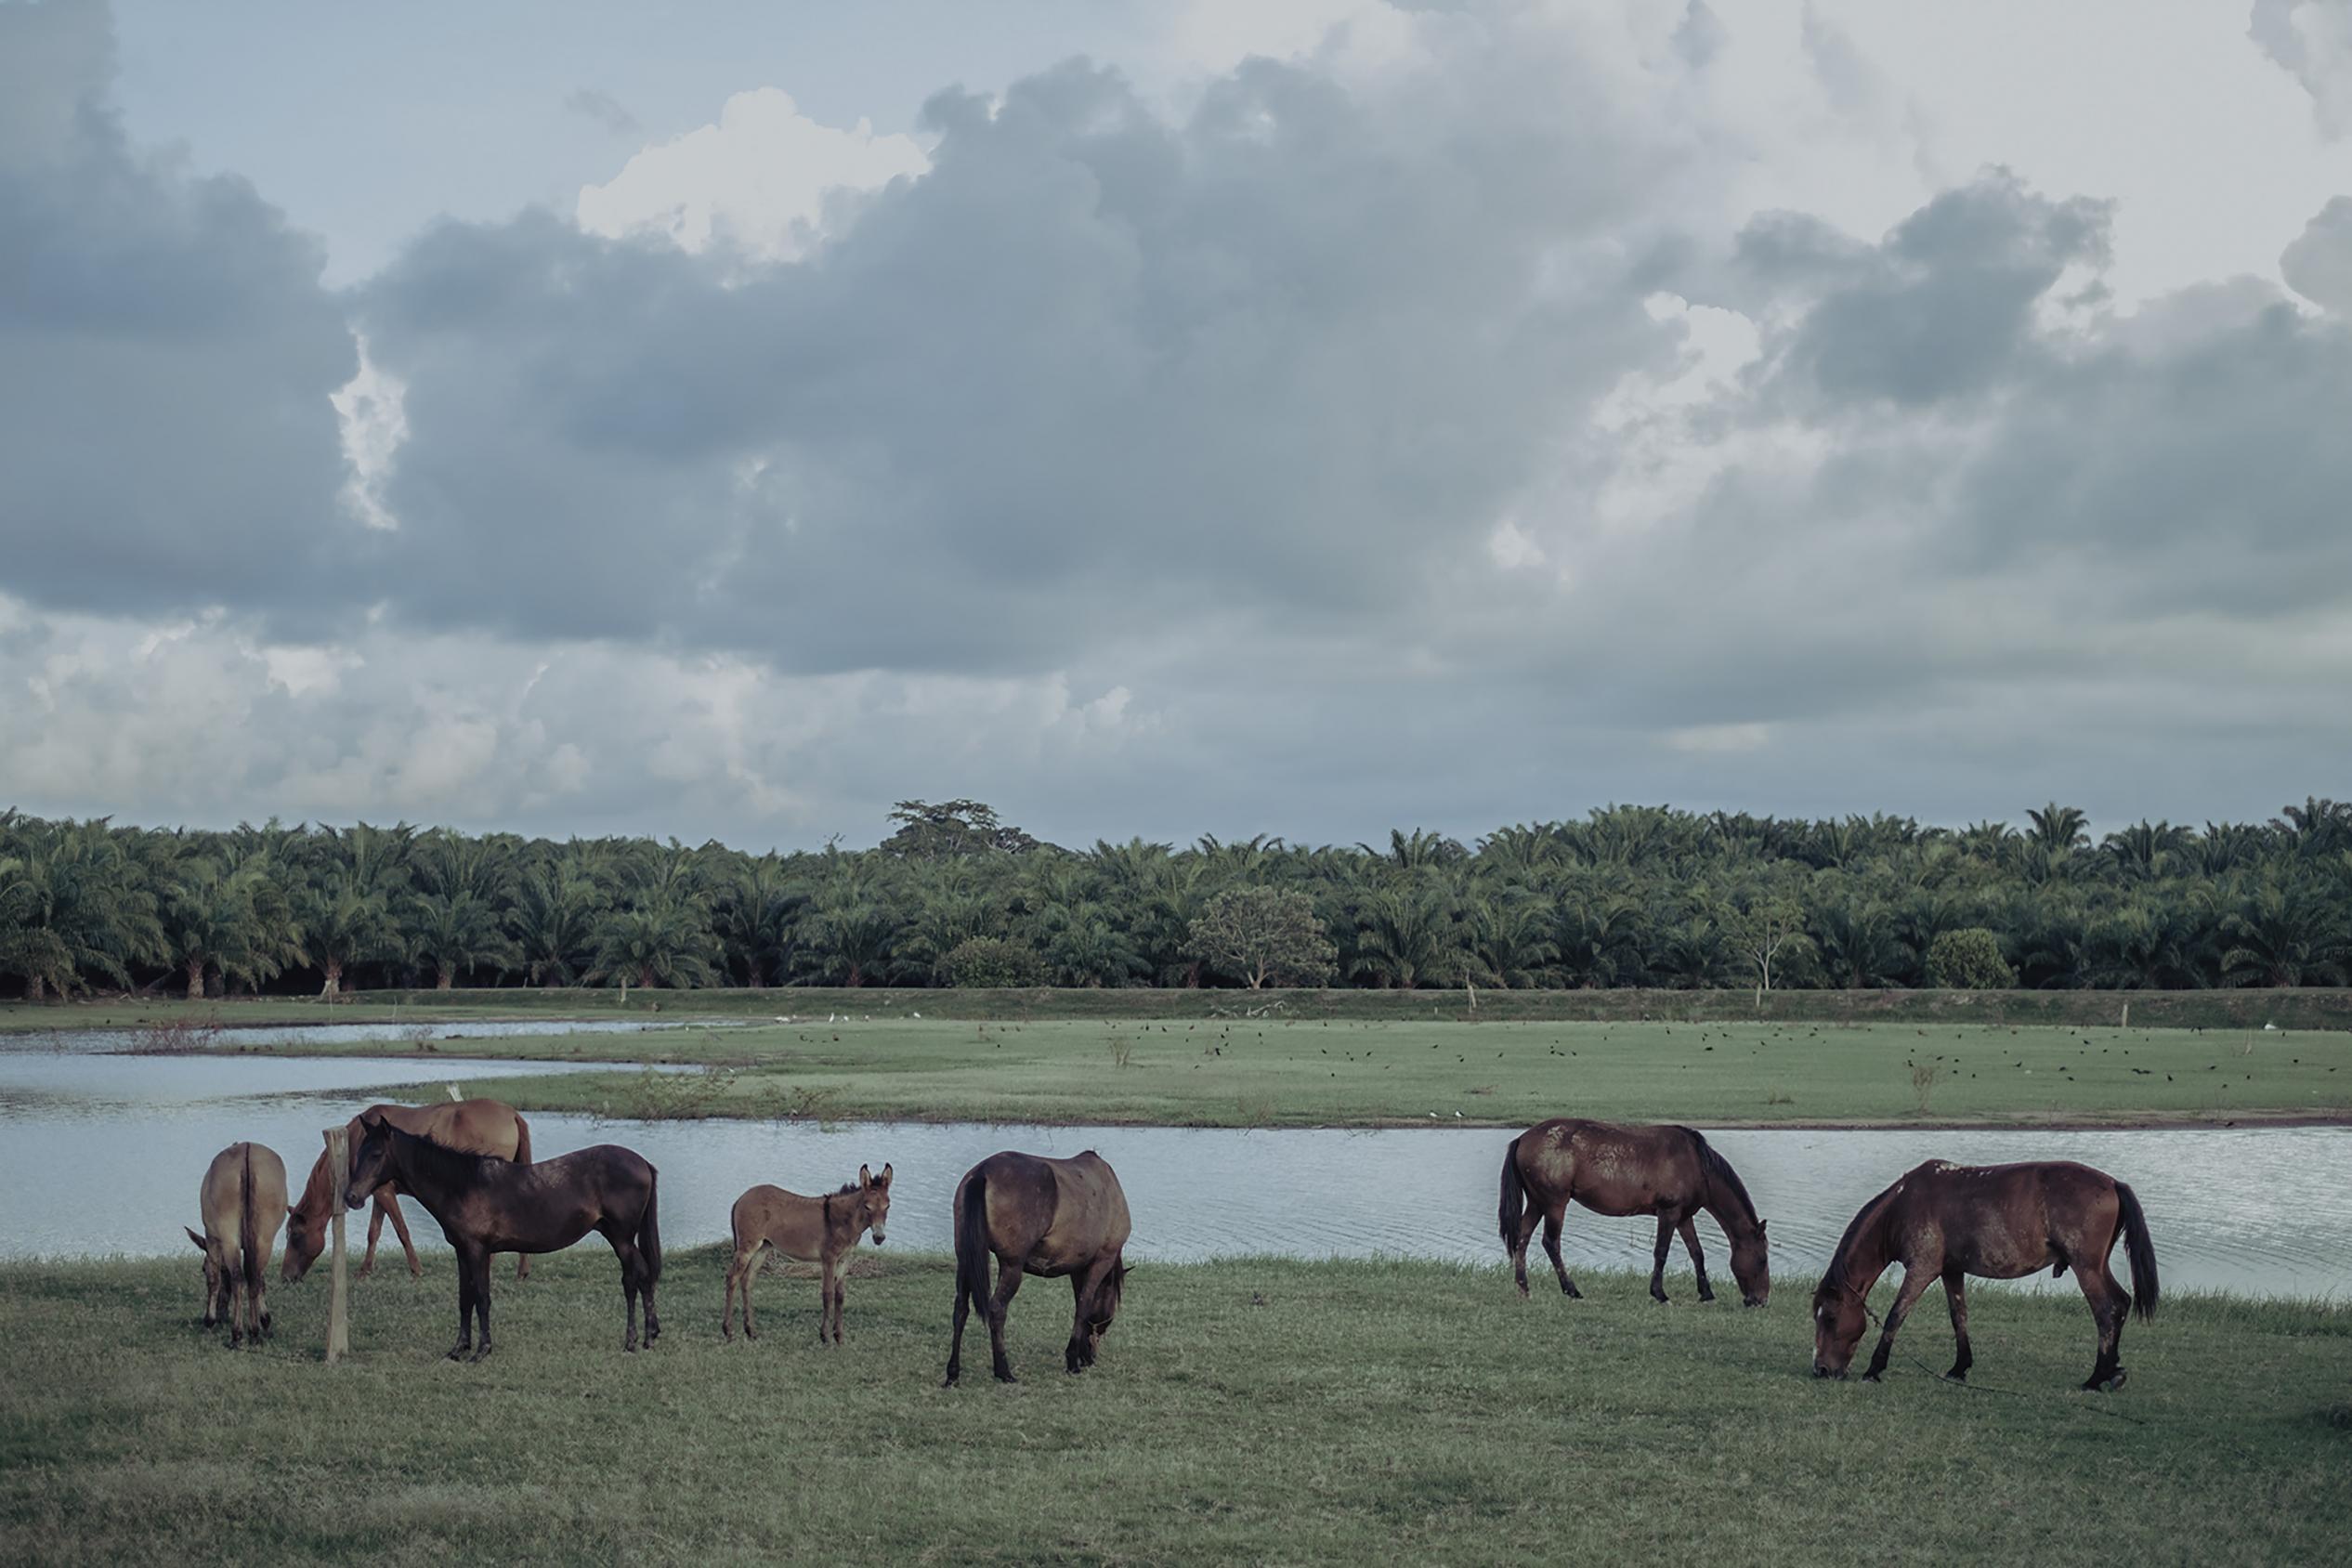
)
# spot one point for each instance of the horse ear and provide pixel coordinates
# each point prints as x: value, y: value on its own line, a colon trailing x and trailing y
x: 884, y: 1180
x: 194, y: 1237
x: 370, y: 1118
x: 1763, y: 1225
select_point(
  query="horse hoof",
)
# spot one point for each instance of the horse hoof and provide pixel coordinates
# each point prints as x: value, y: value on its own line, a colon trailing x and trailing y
x: 1958, y: 1375
x: 1006, y: 1376
x: 482, y: 1355
x: 459, y: 1352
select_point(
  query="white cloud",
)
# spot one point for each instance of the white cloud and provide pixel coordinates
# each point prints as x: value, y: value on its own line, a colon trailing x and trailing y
x: 757, y: 180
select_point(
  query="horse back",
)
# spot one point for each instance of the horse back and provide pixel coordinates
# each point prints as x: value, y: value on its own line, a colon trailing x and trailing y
x: 223, y: 1197
x: 473, y: 1127
x: 1610, y: 1167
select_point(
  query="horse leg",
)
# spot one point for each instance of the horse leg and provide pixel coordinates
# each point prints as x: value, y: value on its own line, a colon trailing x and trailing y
x: 1079, y: 1354
x: 1553, y: 1221
x: 1658, y: 1266
x: 751, y: 1271
x: 465, y: 1305
x: 2108, y: 1301
x: 1955, y: 1295
x: 630, y: 1270
x: 1915, y: 1285
x: 375, y: 1229
x: 1527, y: 1223
x: 1008, y: 1282
x: 955, y: 1345
x: 1698, y: 1259
x: 389, y: 1203
x: 734, y: 1277
x: 481, y: 1300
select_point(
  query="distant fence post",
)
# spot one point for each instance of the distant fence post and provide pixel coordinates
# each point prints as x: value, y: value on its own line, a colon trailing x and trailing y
x: 338, y: 1284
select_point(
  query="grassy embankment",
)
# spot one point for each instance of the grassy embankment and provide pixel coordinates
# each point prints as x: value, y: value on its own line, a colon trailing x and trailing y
x: 1253, y: 1073
x: 1242, y: 1411
x: 885, y: 1063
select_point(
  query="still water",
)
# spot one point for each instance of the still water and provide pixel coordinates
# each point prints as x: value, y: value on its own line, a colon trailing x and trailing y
x: 258, y: 1035
x: 102, y: 1155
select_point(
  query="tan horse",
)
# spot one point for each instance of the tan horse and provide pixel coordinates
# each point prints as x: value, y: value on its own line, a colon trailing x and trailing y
x: 1996, y: 1222
x: 1044, y: 1217
x: 243, y: 1201
x: 808, y: 1230
x: 1669, y: 1171
x: 475, y: 1127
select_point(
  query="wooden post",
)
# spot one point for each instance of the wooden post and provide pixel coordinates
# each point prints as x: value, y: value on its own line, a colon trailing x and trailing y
x: 338, y: 1285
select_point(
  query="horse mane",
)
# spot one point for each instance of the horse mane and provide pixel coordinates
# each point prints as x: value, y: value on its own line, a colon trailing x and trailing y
x: 1720, y: 1169
x: 446, y: 1164
x: 1840, y: 1261
x: 314, y: 1190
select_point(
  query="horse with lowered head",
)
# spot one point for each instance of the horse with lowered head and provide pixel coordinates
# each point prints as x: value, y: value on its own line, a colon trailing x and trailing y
x: 243, y: 1201
x: 1046, y: 1217
x: 476, y: 1126
x: 1672, y: 1172
x: 809, y: 1230
x: 485, y: 1205
x: 1996, y: 1222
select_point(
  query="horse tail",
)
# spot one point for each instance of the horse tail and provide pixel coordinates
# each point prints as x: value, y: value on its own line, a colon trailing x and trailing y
x: 649, y: 1226
x: 522, y: 1140
x: 249, y: 1232
x: 1514, y: 1204
x: 972, y: 1243
x: 2140, y: 1249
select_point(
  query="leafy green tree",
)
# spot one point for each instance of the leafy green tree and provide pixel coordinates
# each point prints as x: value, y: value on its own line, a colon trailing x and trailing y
x: 1968, y: 959
x: 343, y: 924
x: 554, y: 919
x: 1263, y: 936
x: 2288, y: 934
x: 1405, y: 937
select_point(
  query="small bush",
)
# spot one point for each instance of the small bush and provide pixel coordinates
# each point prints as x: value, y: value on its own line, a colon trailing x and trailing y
x: 1969, y: 960
x: 992, y: 963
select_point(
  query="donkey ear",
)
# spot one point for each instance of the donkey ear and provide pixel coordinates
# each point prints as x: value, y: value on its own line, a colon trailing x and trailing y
x: 884, y: 1179
x: 865, y: 1175
x: 194, y: 1237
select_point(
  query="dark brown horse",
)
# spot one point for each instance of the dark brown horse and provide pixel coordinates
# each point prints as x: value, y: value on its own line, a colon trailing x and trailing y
x: 1044, y: 1217
x: 473, y: 1126
x: 1669, y: 1171
x: 810, y: 1229
x: 1996, y: 1222
x: 487, y: 1205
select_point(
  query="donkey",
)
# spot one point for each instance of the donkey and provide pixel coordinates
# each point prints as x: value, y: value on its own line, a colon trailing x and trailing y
x: 809, y: 1230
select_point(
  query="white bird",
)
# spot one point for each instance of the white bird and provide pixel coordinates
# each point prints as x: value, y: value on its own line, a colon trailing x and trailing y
x: 917, y: 1014
x: 2270, y: 1028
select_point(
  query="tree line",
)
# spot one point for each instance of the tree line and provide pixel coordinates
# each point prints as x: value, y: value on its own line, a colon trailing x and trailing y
x: 1624, y: 897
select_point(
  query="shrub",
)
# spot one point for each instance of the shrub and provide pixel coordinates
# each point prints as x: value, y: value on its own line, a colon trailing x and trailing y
x: 992, y: 963
x: 1969, y: 960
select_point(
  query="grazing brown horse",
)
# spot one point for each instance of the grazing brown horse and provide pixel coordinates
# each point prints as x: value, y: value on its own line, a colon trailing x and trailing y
x: 242, y: 1199
x: 487, y: 1205
x: 1669, y: 1171
x: 473, y: 1126
x: 1044, y: 1217
x: 1996, y: 1222
x: 809, y: 1230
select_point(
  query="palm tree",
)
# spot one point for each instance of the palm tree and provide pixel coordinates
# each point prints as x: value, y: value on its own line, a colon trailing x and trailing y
x: 1405, y: 937
x: 343, y: 924
x: 557, y: 908
x: 80, y: 908
x: 1507, y: 940
x: 2287, y: 933
x: 1856, y: 939
x: 660, y: 943
x: 458, y: 933
x: 757, y: 915
x: 210, y: 922
x: 1084, y: 948
x: 2058, y: 828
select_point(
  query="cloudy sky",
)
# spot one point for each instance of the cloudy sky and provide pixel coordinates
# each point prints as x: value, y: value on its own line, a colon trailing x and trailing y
x: 1229, y: 416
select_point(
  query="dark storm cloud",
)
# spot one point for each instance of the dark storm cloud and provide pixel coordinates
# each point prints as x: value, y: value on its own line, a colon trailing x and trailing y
x: 165, y: 358
x: 1094, y: 367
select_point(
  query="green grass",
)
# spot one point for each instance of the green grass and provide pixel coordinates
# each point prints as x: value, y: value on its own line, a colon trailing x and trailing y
x: 1255, y: 1073
x: 2318, y: 1008
x: 1246, y: 1411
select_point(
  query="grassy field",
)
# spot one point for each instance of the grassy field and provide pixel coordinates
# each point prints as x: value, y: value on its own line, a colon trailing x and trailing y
x: 1254, y: 1073
x: 1244, y: 1411
x: 2317, y: 1008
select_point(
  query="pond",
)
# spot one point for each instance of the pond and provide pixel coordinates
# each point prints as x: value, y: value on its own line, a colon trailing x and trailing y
x: 258, y: 1036
x: 109, y: 1163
